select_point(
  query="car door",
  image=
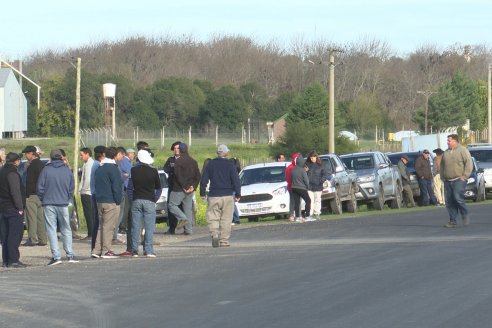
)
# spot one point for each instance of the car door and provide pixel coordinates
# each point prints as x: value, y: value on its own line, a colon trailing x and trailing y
x: 342, y: 176
x: 385, y: 174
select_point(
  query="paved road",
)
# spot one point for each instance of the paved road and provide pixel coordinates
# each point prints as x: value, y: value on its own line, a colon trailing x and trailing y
x: 395, y: 270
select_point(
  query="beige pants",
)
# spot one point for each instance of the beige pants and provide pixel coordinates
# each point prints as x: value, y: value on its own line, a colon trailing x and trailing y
x: 315, y: 202
x: 439, y: 189
x: 108, y: 217
x: 35, y: 220
x: 219, y: 217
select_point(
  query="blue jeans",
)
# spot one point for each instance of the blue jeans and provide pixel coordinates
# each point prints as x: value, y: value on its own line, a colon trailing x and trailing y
x: 427, y: 192
x: 143, y: 210
x: 454, y: 191
x: 186, y: 200
x: 54, y: 215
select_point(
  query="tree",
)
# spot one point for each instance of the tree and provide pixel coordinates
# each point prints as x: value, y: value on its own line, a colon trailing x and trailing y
x: 311, y: 106
x: 226, y: 107
x: 364, y: 113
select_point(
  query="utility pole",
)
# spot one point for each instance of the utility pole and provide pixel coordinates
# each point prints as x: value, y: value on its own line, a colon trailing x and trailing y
x: 331, y: 102
x: 427, y: 94
x: 77, y: 127
x: 489, y: 103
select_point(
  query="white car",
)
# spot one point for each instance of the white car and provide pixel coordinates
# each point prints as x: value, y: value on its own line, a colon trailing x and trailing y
x: 161, y: 204
x: 263, y: 191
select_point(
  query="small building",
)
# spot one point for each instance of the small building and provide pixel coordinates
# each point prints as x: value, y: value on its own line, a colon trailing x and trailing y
x: 13, y: 106
x: 276, y: 129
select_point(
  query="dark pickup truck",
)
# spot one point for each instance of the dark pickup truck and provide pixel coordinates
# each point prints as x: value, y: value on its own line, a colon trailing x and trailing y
x: 341, y: 186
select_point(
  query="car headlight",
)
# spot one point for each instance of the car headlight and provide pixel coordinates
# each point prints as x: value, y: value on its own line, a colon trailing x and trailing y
x: 279, y: 191
x: 367, y: 178
x: 327, y: 184
x: 471, y: 180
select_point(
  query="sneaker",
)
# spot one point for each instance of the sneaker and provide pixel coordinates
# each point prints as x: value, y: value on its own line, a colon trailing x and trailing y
x: 301, y: 220
x: 224, y: 244
x: 181, y: 224
x: 95, y: 256
x: 41, y: 244
x: 135, y: 254
x: 87, y: 238
x: 17, y: 265
x: 55, y: 262
x: 292, y: 219
x: 126, y: 254
x: 215, y: 241
x: 109, y: 255
x: 150, y: 255
x: 29, y: 243
x: 76, y: 236
x: 310, y: 219
x: 466, y: 221
x: 450, y: 225
x: 72, y: 259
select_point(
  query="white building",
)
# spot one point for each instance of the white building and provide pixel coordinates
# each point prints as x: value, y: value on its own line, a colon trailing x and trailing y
x: 13, y: 106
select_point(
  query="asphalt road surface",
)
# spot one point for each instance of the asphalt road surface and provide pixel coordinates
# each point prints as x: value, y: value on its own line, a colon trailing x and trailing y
x: 401, y: 269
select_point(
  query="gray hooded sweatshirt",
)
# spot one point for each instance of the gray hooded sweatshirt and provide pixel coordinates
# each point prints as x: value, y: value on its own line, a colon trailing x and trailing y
x: 299, y: 176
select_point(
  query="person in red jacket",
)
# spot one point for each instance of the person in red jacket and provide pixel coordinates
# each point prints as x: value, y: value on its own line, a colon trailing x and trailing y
x: 288, y: 178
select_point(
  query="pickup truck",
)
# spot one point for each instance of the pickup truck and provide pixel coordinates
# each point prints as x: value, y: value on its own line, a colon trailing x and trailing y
x: 378, y: 179
x: 339, y: 190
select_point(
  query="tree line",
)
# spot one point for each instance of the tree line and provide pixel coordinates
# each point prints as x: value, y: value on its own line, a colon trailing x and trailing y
x: 181, y: 82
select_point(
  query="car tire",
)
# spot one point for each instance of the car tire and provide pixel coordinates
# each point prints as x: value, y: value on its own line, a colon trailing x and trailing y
x: 379, y: 202
x: 351, y: 204
x: 253, y: 219
x: 336, y: 204
x: 396, y: 203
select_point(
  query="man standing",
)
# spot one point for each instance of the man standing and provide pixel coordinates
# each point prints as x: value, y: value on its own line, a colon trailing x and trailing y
x: 405, y: 182
x: 55, y: 190
x: 108, y: 197
x: 424, y: 177
x: 144, y: 189
x: 12, y: 203
x: 438, y: 185
x: 34, y: 211
x: 85, y: 189
x: 456, y: 167
x: 223, y: 190
x: 288, y: 178
x: 185, y: 181
x: 169, y: 169
x: 124, y: 165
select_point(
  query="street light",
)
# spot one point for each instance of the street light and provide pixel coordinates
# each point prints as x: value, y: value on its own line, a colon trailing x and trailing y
x: 427, y: 94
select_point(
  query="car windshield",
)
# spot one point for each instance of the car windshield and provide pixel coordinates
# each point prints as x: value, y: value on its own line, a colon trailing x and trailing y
x: 359, y: 163
x: 262, y: 175
x: 482, y: 155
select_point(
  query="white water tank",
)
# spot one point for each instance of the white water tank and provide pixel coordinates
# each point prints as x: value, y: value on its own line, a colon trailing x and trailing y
x: 109, y: 90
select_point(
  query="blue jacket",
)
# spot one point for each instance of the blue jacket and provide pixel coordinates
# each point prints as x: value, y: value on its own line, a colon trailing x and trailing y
x: 108, y: 184
x: 56, y: 184
x: 223, y: 177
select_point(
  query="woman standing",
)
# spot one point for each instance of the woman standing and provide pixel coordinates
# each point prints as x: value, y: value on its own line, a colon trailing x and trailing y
x: 300, y: 185
x: 316, y: 175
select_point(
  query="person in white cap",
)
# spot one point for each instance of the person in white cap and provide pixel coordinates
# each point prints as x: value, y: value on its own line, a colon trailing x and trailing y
x: 224, y: 189
x: 144, y: 189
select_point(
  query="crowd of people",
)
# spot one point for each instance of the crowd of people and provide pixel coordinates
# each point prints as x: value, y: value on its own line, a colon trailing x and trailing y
x: 118, y: 190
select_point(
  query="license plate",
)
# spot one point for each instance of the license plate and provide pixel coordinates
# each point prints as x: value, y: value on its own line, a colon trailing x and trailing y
x: 255, y: 206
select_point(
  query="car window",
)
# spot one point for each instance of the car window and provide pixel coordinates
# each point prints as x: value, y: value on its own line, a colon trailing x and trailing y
x: 262, y: 175
x: 163, y: 178
x: 359, y: 163
x: 327, y: 165
x: 482, y: 155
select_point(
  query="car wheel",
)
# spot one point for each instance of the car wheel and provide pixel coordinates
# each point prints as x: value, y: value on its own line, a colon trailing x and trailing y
x: 336, y: 204
x: 379, y: 202
x: 253, y: 219
x: 352, y: 202
x: 397, y: 201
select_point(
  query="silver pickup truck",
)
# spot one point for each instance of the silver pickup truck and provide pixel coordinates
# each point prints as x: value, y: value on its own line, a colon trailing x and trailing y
x: 339, y: 190
x: 378, y: 179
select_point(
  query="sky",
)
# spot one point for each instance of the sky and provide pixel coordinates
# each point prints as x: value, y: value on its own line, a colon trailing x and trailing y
x: 405, y: 25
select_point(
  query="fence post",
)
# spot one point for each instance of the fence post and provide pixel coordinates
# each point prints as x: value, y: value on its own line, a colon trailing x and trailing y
x: 216, y: 135
x: 189, y: 136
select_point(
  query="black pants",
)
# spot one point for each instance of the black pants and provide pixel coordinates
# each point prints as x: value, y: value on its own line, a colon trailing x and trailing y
x: 11, y: 234
x: 95, y: 223
x: 88, y: 212
x: 298, y: 194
